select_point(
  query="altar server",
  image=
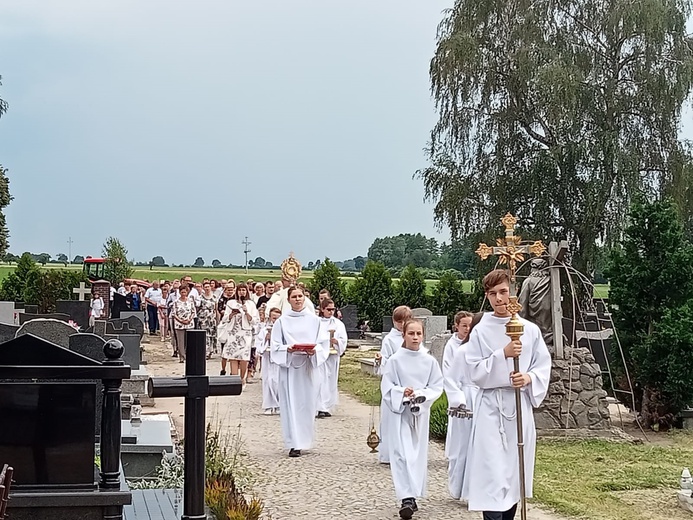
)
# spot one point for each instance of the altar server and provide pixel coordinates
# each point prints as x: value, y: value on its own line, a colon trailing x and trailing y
x: 298, y: 371
x: 328, y: 396
x: 492, y: 459
x: 390, y: 344
x: 411, y: 383
x: 270, y: 370
x: 460, y: 391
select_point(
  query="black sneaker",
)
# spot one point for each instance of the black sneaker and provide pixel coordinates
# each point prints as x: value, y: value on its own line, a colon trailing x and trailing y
x: 416, y: 507
x: 321, y: 415
x: 407, y: 509
x: 222, y: 373
x: 294, y: 453
x: 326, y: 414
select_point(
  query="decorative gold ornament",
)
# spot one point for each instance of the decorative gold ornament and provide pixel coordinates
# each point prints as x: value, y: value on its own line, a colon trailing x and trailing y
x: 509, y: 221
x: 537, y: 248
x: 373, y: 441
x: 291, y: 268
x: 484, y: 251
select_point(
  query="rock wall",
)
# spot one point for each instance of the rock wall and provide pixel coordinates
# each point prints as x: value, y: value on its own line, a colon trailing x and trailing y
x: 575, y: 398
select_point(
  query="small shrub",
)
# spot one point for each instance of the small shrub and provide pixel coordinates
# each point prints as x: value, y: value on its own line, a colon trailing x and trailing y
x: 439, y: 418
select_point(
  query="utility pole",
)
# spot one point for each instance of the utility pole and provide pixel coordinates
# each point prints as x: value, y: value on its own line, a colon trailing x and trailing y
x: 69, y: 249
x: 246, y: 251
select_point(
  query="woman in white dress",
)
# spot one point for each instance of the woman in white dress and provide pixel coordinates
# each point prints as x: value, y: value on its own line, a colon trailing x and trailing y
x: 239, y: 319
x: 95, y: 308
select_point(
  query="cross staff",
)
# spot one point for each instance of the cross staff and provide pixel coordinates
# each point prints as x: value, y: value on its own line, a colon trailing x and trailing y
x: 510, y: 251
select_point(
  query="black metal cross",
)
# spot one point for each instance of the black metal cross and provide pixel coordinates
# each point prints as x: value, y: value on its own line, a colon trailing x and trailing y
x: 195, y: 386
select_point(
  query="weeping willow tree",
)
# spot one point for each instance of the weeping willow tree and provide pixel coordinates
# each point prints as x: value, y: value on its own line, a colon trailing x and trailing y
x: 560, y: 111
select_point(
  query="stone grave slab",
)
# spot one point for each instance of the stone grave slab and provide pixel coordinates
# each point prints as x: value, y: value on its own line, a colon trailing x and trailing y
x: 387, y: 324
x: 7, y: 313
x: 8, y: 332
x: 137, y: 314
x: 421, y: 312
x: 152, y: 437
x: 433, y: 326
x: 30, y: 308
x: 129, y: 325
x: 91, y: 346
x: 437, y: 346
x: 133, y: 352
x: 55, y: 331
x: 351, y: 321
x: 78, y: 311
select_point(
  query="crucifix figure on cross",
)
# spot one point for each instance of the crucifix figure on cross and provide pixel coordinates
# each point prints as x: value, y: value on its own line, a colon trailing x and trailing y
x: 511, y: 251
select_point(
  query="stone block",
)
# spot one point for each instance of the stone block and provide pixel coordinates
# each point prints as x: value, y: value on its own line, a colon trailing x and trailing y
x: 557, y: 388
x: 544, y: 420
x: 590, y: 369
x: 582, y: 420
x: 587, y: 382
x: 368, y: 366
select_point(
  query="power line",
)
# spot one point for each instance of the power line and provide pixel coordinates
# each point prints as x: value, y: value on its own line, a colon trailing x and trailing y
x: 69, y: 249
x: 246, y: 251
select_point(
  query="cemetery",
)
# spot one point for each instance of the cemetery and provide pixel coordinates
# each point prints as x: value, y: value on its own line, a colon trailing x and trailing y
x: 508, y: 333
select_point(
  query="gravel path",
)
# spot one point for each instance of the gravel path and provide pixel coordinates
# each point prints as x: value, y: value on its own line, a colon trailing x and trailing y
x: 338, y: 477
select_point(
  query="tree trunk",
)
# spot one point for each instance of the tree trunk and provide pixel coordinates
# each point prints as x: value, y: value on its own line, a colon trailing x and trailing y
x: 653, y: 412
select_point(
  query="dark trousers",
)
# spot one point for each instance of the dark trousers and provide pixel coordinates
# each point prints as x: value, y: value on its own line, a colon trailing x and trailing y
x: 501, y: 515
x: 153, y: 315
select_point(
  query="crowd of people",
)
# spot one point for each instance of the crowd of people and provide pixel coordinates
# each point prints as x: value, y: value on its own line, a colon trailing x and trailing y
x: 275, y: 326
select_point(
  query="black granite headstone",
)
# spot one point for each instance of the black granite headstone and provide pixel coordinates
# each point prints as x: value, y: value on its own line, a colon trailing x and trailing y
x: 118, y: 304
x: 30, y: 308
x: 91, y: 346
x: 351, y: 321
x: 78, y: 311
x: 130, y: 325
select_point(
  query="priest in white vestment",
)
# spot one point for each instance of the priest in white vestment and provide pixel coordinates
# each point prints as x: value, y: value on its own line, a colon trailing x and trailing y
x: 280, y: 299
x: 460, y: 391
x: 328, y: 395
x: 492, y: 458
x: 410, y: 375
x: 298, y: 372
x: 270, y: 370
x: 391, y: 343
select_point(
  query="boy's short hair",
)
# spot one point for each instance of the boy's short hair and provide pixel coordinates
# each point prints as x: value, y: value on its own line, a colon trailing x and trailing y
x: 401, y: 313
x: 274, y: 309
x: 496, y: 277
x: 462, y: 314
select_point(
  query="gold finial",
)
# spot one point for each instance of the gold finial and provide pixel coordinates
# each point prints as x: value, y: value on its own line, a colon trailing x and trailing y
x: 509, y: 221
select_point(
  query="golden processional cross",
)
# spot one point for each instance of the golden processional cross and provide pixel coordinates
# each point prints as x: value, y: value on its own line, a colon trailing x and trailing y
x: 510, y: 252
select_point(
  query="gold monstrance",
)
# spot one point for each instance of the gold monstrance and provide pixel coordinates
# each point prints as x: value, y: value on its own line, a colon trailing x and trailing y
x: 510, y: 251
x: 291, y: 268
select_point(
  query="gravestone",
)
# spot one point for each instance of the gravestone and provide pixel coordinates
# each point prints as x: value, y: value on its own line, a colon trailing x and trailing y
x: 351, y: 321
x: 145, y: 438
x: 133, y: 351
x: 7, y: 313
x: 137, y: 314
x: 118, y: 305
x: 7, y: 332
x: 28, y: 316
x: 52, y: 330
x: 129, y: 325
x: 82, y: 292
x: 437, y: 346
x: 51, y: 407
x: 30, y: 309
x: 421, y: 312
x: 433, y: 326
x: 91, y: 346
x: 387, y: 324
x: 78, y: 311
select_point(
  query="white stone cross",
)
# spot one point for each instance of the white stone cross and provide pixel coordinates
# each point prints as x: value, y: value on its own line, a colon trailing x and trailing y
x: 82, y: 290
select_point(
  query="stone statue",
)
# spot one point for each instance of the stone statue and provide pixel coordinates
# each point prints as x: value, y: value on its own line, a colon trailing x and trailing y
x: 535, y: 298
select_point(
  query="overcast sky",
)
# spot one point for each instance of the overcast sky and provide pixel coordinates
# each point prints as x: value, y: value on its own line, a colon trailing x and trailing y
x: 180, y: 127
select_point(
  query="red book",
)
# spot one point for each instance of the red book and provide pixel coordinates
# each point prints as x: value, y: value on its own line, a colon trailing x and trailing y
x: 304, y: 346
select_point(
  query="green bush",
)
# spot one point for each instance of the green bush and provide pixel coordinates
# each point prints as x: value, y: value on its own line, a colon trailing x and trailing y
x: 410, y: 289
x: 372, y: 294
x: 327, y: 276
x: 439, y: 418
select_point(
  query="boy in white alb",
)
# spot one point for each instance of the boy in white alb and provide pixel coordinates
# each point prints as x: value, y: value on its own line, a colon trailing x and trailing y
x: 492, y: 458
x: 391, y: 343
x: 411, y: 383
x: 460, y: 391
